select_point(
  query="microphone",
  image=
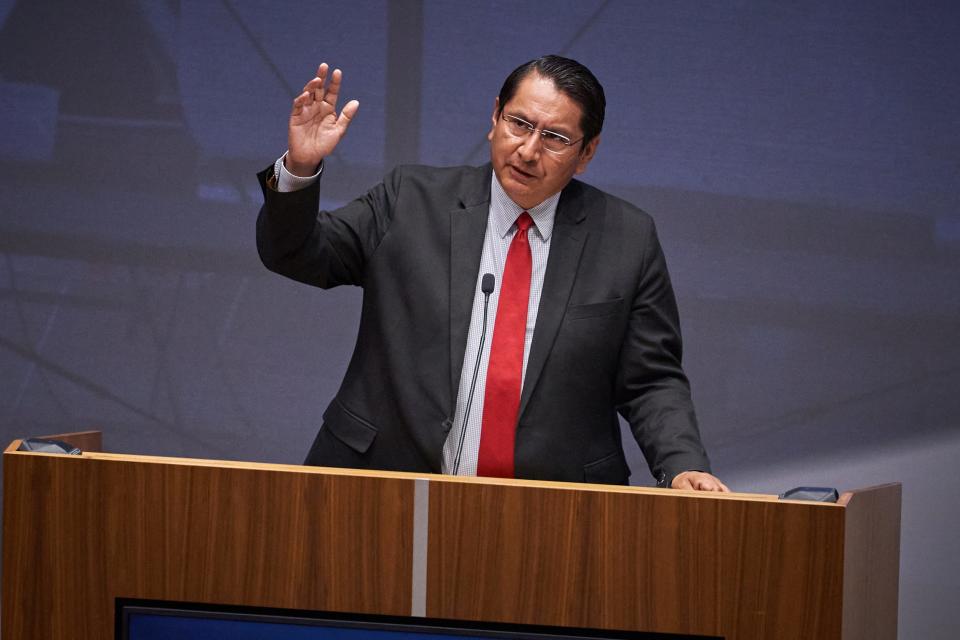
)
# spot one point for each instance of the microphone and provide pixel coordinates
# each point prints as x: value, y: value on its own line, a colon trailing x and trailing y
x: 486, y: 287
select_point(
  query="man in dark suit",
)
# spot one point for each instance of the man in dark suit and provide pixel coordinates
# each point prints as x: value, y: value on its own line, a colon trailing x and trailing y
x: 582, y: 321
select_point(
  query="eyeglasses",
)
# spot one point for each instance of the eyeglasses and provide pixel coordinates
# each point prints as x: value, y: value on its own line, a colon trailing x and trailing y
x: 555, y: 143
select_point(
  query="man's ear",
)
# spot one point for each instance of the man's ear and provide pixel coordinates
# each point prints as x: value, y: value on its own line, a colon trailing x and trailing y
x: 494, y: 117
x: 587, y: 155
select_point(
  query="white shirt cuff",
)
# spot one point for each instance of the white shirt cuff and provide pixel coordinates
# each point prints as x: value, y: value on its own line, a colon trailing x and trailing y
x: 287, y: 182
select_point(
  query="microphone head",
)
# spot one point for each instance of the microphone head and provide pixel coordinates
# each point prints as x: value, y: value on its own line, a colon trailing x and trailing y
x: 486, y: 284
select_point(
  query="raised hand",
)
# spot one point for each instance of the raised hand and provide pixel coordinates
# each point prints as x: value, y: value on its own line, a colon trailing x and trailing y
x: 315, y: 129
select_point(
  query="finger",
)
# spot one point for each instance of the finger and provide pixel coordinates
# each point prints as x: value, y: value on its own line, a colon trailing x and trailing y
x: 315, y: 85
x: 346, y: 116
x: 711, y: 483
x: 318, y: 79
x: 300, y: 102
x: 333, y: 90
x: 322, y: 73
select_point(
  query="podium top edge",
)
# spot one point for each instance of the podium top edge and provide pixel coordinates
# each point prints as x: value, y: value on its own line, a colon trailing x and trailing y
x: 11, y: 450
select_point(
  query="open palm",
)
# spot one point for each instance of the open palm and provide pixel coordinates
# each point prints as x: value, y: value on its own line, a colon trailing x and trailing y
x: 315, y: 129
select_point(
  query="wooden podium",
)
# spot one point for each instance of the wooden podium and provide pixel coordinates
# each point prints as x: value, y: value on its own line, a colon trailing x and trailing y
x: 81, y: 531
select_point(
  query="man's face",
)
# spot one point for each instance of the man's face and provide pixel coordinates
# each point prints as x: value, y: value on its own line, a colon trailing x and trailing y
x: 528, y: 173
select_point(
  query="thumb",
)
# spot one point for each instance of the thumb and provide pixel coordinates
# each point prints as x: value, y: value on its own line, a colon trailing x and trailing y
x: 347, y: 114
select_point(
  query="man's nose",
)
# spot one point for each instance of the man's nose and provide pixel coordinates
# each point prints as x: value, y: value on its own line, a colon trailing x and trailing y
x: 530, y: 149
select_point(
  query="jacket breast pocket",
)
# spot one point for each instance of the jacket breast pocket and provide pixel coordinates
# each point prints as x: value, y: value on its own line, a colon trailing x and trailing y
x: 594, y: 309
x: 351, y: 429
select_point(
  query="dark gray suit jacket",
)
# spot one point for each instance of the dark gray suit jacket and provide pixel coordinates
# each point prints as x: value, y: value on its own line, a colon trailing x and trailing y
x: 607, y: 338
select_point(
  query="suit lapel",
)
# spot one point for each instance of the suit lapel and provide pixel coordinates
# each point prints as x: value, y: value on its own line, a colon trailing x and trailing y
x: 468, y: 226
x: 566, y: 247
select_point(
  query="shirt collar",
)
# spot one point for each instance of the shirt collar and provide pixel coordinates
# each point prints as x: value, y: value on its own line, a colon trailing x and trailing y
x: 504, y: 211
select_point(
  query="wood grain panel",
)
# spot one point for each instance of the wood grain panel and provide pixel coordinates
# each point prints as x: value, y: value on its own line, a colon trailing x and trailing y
x: 790, y: 568
x: 80, y: 531
x: 663, y: 562
x: 871, y: 565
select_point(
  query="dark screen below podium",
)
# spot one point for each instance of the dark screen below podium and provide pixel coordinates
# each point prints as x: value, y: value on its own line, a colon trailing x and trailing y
x: 160, y: 621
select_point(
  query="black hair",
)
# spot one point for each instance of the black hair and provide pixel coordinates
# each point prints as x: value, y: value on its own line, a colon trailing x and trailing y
x: 570, y: 78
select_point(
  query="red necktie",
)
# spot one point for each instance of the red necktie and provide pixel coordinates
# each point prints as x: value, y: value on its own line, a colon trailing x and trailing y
x: 501, y: 398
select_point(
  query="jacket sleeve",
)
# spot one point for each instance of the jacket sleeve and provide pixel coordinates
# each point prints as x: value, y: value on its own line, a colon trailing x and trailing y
x: 322, y: 248
x: 653, y: 393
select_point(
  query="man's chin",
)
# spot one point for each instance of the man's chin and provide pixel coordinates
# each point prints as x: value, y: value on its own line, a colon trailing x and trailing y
x: 520, y: 191
x: 521, y: 195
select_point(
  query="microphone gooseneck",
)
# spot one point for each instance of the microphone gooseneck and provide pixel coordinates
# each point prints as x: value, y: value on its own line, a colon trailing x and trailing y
x: 486, y: 287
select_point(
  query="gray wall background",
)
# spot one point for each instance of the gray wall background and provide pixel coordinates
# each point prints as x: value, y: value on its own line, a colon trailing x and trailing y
x: 801, y: 160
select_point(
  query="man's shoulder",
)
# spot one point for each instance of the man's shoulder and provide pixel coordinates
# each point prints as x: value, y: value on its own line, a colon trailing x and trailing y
x: 593, y: 199
x: 463, y: 181
x: 428, y: 170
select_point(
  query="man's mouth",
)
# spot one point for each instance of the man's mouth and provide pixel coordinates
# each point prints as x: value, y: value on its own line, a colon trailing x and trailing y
x: 520, y: 173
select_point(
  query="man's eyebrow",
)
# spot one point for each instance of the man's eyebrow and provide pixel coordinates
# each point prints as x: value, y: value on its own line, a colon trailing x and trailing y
x: 561, y: 130
x: 557, y: 129
x: 521, y: 115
